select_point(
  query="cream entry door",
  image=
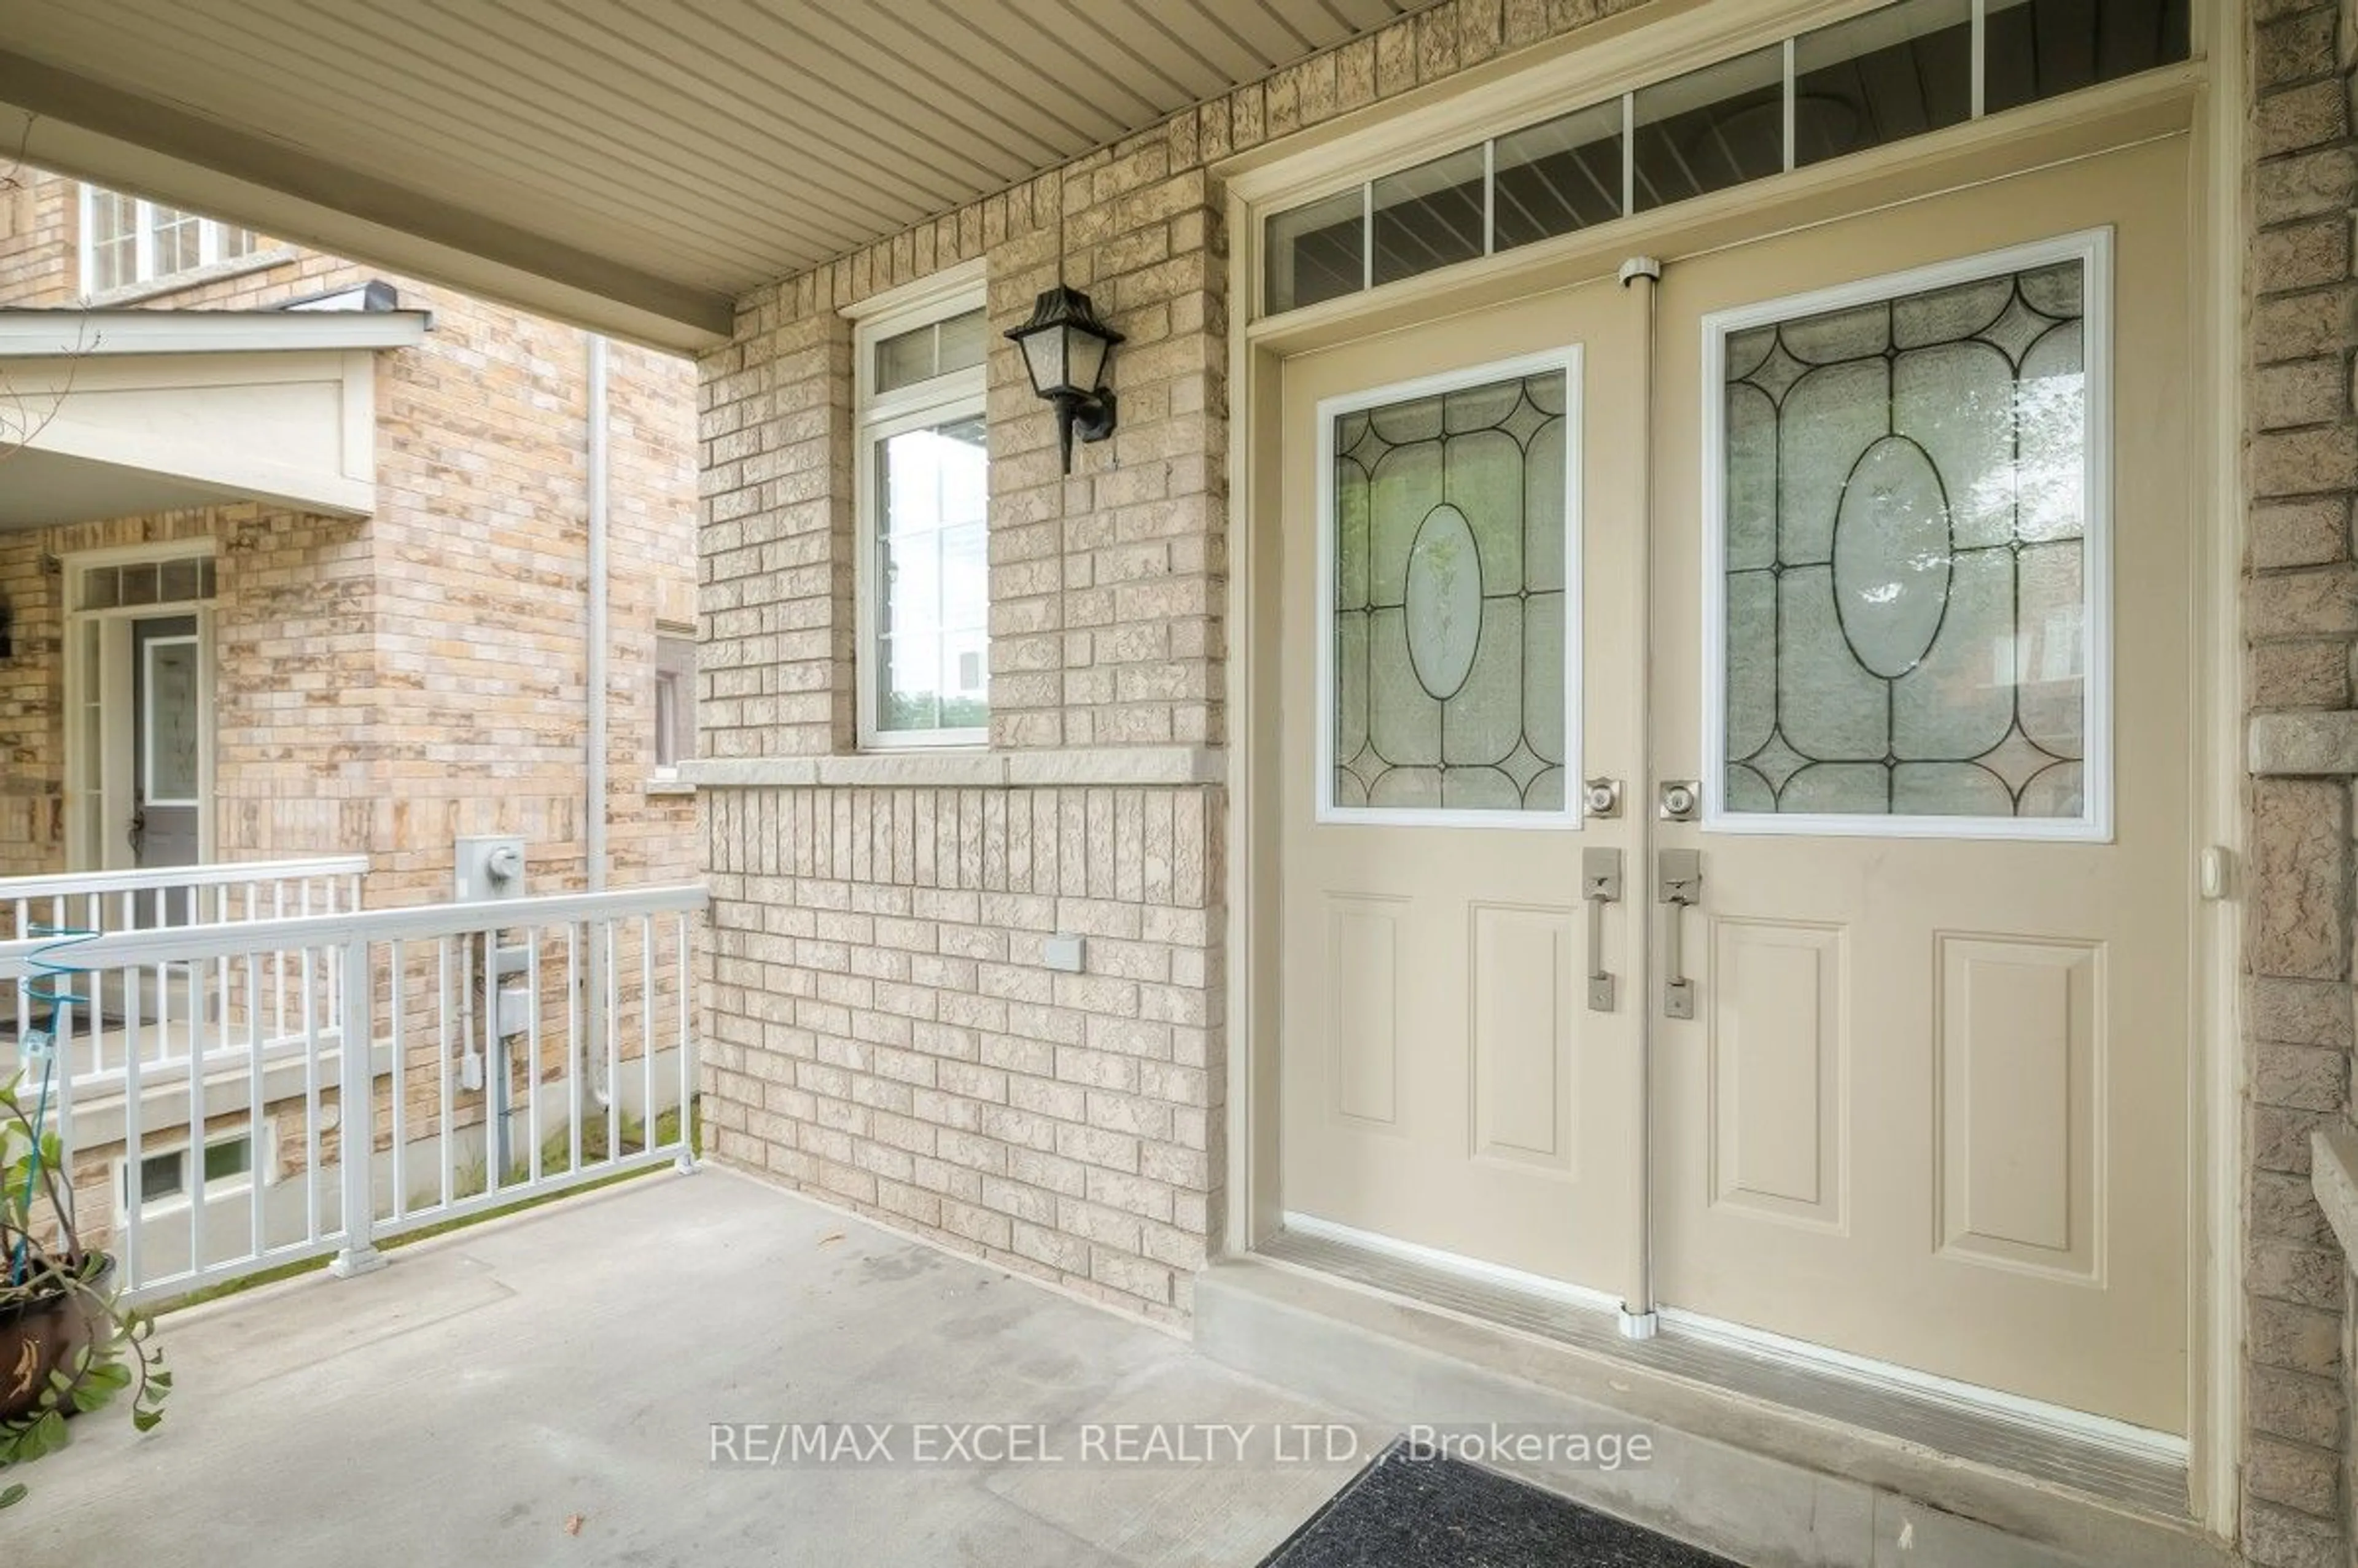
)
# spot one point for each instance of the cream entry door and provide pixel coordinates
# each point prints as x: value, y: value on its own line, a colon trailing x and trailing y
x: 1459, y: 577
x: 1924, y: 634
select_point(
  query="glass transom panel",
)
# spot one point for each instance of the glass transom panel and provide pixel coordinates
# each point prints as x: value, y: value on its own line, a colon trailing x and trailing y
x: 1905, y: 545
x: 1448, y: 638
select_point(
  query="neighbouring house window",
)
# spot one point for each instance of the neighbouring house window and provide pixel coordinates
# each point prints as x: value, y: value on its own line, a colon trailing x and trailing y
x: 923, y: 569
x: 126, y: 240
x: 675, y: 701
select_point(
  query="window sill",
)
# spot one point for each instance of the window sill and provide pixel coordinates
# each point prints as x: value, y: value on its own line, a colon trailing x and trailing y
x: 194, y: 277
x: 968, y: 770
x: 671, y: 786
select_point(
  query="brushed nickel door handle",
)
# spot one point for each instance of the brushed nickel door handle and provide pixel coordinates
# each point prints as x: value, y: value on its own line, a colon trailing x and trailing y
x: 1678, y: 883
x: 1600, y: 884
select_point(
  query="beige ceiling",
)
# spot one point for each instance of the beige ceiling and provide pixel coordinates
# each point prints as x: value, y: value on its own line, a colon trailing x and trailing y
x: 635, y: 165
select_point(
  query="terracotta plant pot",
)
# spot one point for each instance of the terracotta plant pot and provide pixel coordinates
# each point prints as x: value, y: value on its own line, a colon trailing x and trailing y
x: 38, y: 1337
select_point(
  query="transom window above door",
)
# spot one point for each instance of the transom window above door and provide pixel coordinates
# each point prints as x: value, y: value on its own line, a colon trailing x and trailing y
x: 1448, y: 637
x: 1882, y: 75
x: 1907, y: 549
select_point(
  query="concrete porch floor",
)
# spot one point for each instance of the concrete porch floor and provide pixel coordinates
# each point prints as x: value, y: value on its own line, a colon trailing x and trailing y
x: 463, y: 1404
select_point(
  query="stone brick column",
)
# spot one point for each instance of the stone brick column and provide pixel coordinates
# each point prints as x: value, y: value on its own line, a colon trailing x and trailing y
x: 2300, y: 612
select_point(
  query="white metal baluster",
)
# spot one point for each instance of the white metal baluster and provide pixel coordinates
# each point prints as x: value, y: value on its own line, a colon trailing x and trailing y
x: 448, y: 1107
x: 257, y: 1099
x: 396, y: 969
x: 196, y: 1081
x: 686, y: 980
x: 278, y: 966
x: 648, y: 1119
x: 357, y: 1096
x: 532, y: 1032
x: 311, y: 1099
x: 576, y: 1067
x: 496, y: 1078
x: 134, y: 1185
x: 613, y: 1037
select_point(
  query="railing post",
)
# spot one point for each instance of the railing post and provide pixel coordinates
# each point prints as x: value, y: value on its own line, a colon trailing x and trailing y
x: 355, y: 1106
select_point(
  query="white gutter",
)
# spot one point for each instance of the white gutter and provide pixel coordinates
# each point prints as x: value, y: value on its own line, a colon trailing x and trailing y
x: 79, y: 334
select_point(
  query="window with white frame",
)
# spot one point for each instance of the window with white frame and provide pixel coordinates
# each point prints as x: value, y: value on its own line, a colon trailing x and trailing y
x: 924, y: 566
x: 126, y: 240
x: 675, y: 702
x: 164, y: 1179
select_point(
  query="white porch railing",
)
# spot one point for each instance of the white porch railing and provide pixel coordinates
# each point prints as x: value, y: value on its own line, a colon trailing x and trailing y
x: 514, y: 1048
x: 158, y: 1007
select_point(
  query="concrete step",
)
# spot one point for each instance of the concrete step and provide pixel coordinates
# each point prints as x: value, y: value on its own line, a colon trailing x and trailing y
x: 1768, y: 1484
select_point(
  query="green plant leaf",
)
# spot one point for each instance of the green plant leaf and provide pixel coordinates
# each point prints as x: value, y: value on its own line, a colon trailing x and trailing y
x: 11, y: 1495
x: 146, y: 1421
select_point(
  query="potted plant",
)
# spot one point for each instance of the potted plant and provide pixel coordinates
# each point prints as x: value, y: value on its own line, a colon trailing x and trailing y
x: 68, y: 1343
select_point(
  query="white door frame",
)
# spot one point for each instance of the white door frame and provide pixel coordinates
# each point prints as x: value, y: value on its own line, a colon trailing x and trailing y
x: 99, y: 788
x: 2161, y: 103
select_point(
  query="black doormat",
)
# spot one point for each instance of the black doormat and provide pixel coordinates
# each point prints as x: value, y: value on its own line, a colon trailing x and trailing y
x: 1415, y: 1508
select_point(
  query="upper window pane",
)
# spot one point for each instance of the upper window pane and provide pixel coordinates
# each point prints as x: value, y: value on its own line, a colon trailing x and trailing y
x: 2039, y: 49
x: 1317, y: 250
x: 1710, y: 129
x: 1555, y: 177
x: 1428, y: 216
x: 1890, y: 74
x: 1905, y: 544
x: 935, y: 349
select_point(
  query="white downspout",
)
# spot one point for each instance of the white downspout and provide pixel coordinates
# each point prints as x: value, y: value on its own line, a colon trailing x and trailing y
x: 594, y: 678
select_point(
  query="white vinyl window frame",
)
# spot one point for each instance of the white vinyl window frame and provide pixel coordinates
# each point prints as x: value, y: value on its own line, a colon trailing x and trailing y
x: 236, y: 1184
x: 1568, y: 360
x: 216, y: 242
x: 2094, y: 249
x: 880, y: 416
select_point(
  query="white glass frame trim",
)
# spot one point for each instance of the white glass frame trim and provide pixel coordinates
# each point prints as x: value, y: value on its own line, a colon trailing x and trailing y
x: 146, y: 218
x: 2094, y: 249
x: 959, y: 394
x: 1568, y: 360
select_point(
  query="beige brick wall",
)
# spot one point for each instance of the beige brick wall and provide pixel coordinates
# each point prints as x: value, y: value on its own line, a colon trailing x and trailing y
x: 386, y: 684
x: 2300, y: 613
x: 885, y: 1033
x: 884, y: 1030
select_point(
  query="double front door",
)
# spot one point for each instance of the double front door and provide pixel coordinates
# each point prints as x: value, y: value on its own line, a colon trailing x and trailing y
x: 1738, y: 834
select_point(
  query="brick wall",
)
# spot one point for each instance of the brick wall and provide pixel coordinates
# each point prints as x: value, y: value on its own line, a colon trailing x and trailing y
x: 386, y: 684
x: 2300, y: 614
x: 891, y: 1038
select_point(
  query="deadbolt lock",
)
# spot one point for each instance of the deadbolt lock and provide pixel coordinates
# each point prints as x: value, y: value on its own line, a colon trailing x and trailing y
x: 1602, y: 797
x: 1678, y: 799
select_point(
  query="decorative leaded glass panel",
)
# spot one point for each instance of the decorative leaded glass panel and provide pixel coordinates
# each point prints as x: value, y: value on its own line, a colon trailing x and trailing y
x: 1906, y: 538
x: 1449, y: 629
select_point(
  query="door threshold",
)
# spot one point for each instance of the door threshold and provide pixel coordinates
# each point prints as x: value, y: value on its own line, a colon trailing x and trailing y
x: 2106, y: 1461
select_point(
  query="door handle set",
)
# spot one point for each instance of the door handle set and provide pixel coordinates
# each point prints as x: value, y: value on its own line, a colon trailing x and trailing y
x: 1678, y: 885
x: 1600, y: 884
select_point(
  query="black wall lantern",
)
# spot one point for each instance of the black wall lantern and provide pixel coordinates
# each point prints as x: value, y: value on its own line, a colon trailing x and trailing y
x: 1065, y: 348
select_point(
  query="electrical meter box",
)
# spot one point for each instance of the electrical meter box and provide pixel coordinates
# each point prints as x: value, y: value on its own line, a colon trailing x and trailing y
x: 490, y: 867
